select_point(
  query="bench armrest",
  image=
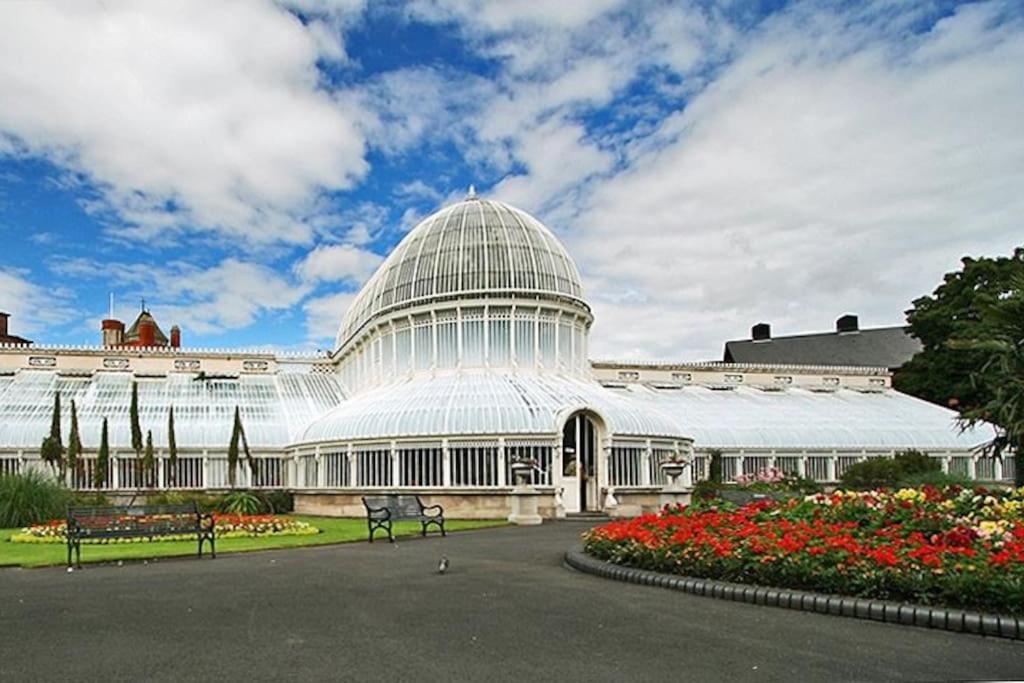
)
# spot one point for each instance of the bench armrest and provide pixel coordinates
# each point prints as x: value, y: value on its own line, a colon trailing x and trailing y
x: 73, y: 528
x: 440, y: 510
x: 206, y: 521
x: 378, y: 513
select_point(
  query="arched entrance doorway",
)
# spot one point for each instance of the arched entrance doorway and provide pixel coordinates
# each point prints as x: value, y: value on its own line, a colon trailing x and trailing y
x: 579, y: 464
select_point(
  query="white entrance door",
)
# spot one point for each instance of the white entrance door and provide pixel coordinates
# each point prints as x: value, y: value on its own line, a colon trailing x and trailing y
x: 579, y: 465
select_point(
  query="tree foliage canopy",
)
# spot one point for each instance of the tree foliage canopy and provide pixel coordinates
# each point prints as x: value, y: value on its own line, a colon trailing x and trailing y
x: 960, y: 308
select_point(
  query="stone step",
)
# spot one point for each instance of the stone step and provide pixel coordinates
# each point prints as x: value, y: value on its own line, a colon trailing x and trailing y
x: 587, y: 517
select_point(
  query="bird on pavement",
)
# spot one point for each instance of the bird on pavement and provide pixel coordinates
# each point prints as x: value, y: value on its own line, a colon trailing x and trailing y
x: 442, y: 566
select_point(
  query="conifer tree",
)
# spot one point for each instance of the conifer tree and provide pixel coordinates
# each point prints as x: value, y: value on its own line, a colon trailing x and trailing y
x: 236, y: 432
x: 172, y: 451
x: 102, y: 458
x: 148, y: 461
x: 52, y: 450
x: 133, y: 415
x: 74, y: 443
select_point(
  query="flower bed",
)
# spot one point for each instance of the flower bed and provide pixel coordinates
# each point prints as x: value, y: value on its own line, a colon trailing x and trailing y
x: 954, y: 547
x: 228, y: 526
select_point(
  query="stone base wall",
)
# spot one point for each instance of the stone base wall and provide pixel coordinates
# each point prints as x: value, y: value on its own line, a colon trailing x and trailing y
x: 635, y: 503
x: 462, y: 505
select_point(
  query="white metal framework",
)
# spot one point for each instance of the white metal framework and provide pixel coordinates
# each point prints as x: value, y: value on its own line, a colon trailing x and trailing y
x: 464, y: 353
x: 475, y: 247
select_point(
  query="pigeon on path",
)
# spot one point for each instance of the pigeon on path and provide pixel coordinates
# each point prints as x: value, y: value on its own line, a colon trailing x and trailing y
x: 442, y: 566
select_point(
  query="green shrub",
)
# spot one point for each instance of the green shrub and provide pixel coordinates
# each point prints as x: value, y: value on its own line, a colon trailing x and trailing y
x: 96, y: 499
x: 916, y: 462
x: 31, y: 498
x: 278, y: 502
x: 872, y: 473
x: 705, y: 490
x: 242, y: 503
x: 876, y: 473
x: 205, y: 503
x: 936, y: 478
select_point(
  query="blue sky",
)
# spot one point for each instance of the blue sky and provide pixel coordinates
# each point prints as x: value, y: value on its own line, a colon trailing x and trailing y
x: 245, y: 166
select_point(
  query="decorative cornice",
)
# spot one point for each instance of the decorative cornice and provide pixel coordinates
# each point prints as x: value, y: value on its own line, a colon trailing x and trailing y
x: 715, y: 366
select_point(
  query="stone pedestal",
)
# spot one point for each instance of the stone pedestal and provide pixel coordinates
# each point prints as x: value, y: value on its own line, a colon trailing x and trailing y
x: 524, y: 506
x: 673, y: 498
x: 677, y: 492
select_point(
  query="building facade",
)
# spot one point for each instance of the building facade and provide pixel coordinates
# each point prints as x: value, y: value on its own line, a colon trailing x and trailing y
x: 463, y: 360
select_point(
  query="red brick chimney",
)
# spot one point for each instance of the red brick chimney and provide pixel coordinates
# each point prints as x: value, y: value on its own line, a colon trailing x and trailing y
x: 175, y: 337
x: 3, y: 323
x: 113, y: 332
x: 147, y: 333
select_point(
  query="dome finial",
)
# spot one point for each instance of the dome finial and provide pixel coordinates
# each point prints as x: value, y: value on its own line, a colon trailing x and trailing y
x: 472, y: 192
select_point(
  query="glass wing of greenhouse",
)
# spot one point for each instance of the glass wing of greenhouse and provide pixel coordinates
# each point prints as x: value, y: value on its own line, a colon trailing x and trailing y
x: 487, y: 403
x: 274, y: 408
x: 797, y: 419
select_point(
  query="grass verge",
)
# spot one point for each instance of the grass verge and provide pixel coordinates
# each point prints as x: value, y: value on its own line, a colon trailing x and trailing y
x: 332, y: 530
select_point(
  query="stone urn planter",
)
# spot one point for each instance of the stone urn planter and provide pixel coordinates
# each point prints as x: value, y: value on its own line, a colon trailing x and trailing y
x: 673, y: 469
x: 521, y: 472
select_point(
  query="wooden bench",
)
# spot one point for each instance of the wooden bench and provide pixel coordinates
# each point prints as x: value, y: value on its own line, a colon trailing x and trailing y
x: 137, y: 521
x: 381, y: 511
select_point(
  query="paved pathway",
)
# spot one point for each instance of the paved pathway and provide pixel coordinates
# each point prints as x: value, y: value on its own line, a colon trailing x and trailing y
x: 508, y: 609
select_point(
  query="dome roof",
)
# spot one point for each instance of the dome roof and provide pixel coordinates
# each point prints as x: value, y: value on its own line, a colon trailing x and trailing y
x: 477, y: 247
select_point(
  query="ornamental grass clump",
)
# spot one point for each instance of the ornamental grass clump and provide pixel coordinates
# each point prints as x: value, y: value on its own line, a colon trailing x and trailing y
x: 31, y: 497
x: 955, y: 546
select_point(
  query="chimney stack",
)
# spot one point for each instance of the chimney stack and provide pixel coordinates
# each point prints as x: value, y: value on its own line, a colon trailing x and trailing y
x: 3, y: 323
x: 113, y: 332
x: 847, y: 323
x: 761, y: 332
x: 175, y: 337
x: 147, y: 333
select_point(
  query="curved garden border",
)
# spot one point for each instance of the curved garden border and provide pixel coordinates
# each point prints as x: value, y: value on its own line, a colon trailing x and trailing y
x: 962, y: 621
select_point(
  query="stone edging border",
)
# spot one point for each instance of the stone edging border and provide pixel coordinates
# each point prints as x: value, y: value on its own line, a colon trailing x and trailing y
x: 942, y: 618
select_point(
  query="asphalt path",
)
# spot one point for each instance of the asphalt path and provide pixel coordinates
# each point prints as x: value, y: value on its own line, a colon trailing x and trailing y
x: 507, y: 609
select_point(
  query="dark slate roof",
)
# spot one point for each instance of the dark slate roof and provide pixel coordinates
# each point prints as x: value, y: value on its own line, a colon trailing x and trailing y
x: 880, y: 347
x: 13, y: 339
x: 133, y: 332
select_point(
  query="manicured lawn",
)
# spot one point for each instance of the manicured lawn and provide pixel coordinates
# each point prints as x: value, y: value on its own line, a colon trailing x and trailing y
x: 333, y: 530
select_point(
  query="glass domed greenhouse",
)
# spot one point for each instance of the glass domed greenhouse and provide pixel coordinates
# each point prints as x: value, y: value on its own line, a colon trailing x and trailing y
x: 465, y: 353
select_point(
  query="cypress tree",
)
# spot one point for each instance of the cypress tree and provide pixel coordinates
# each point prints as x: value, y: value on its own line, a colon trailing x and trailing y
x: 133, y: 414
x: 148, y: 461
x: 52, y: 450
x: 236, y: 432
x: 102, y: 458
x: 245, y: 446
x: 74, y: 444
x: 172, y: 450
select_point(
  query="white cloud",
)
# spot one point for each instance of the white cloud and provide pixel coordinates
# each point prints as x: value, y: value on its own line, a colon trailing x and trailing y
x: 185, y: 115
x: 826, y: 170
x: 203, y: 301
x: 324, y: 314
x: 506, y: 15
x: 337, y: 263
x: 33, y: 308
